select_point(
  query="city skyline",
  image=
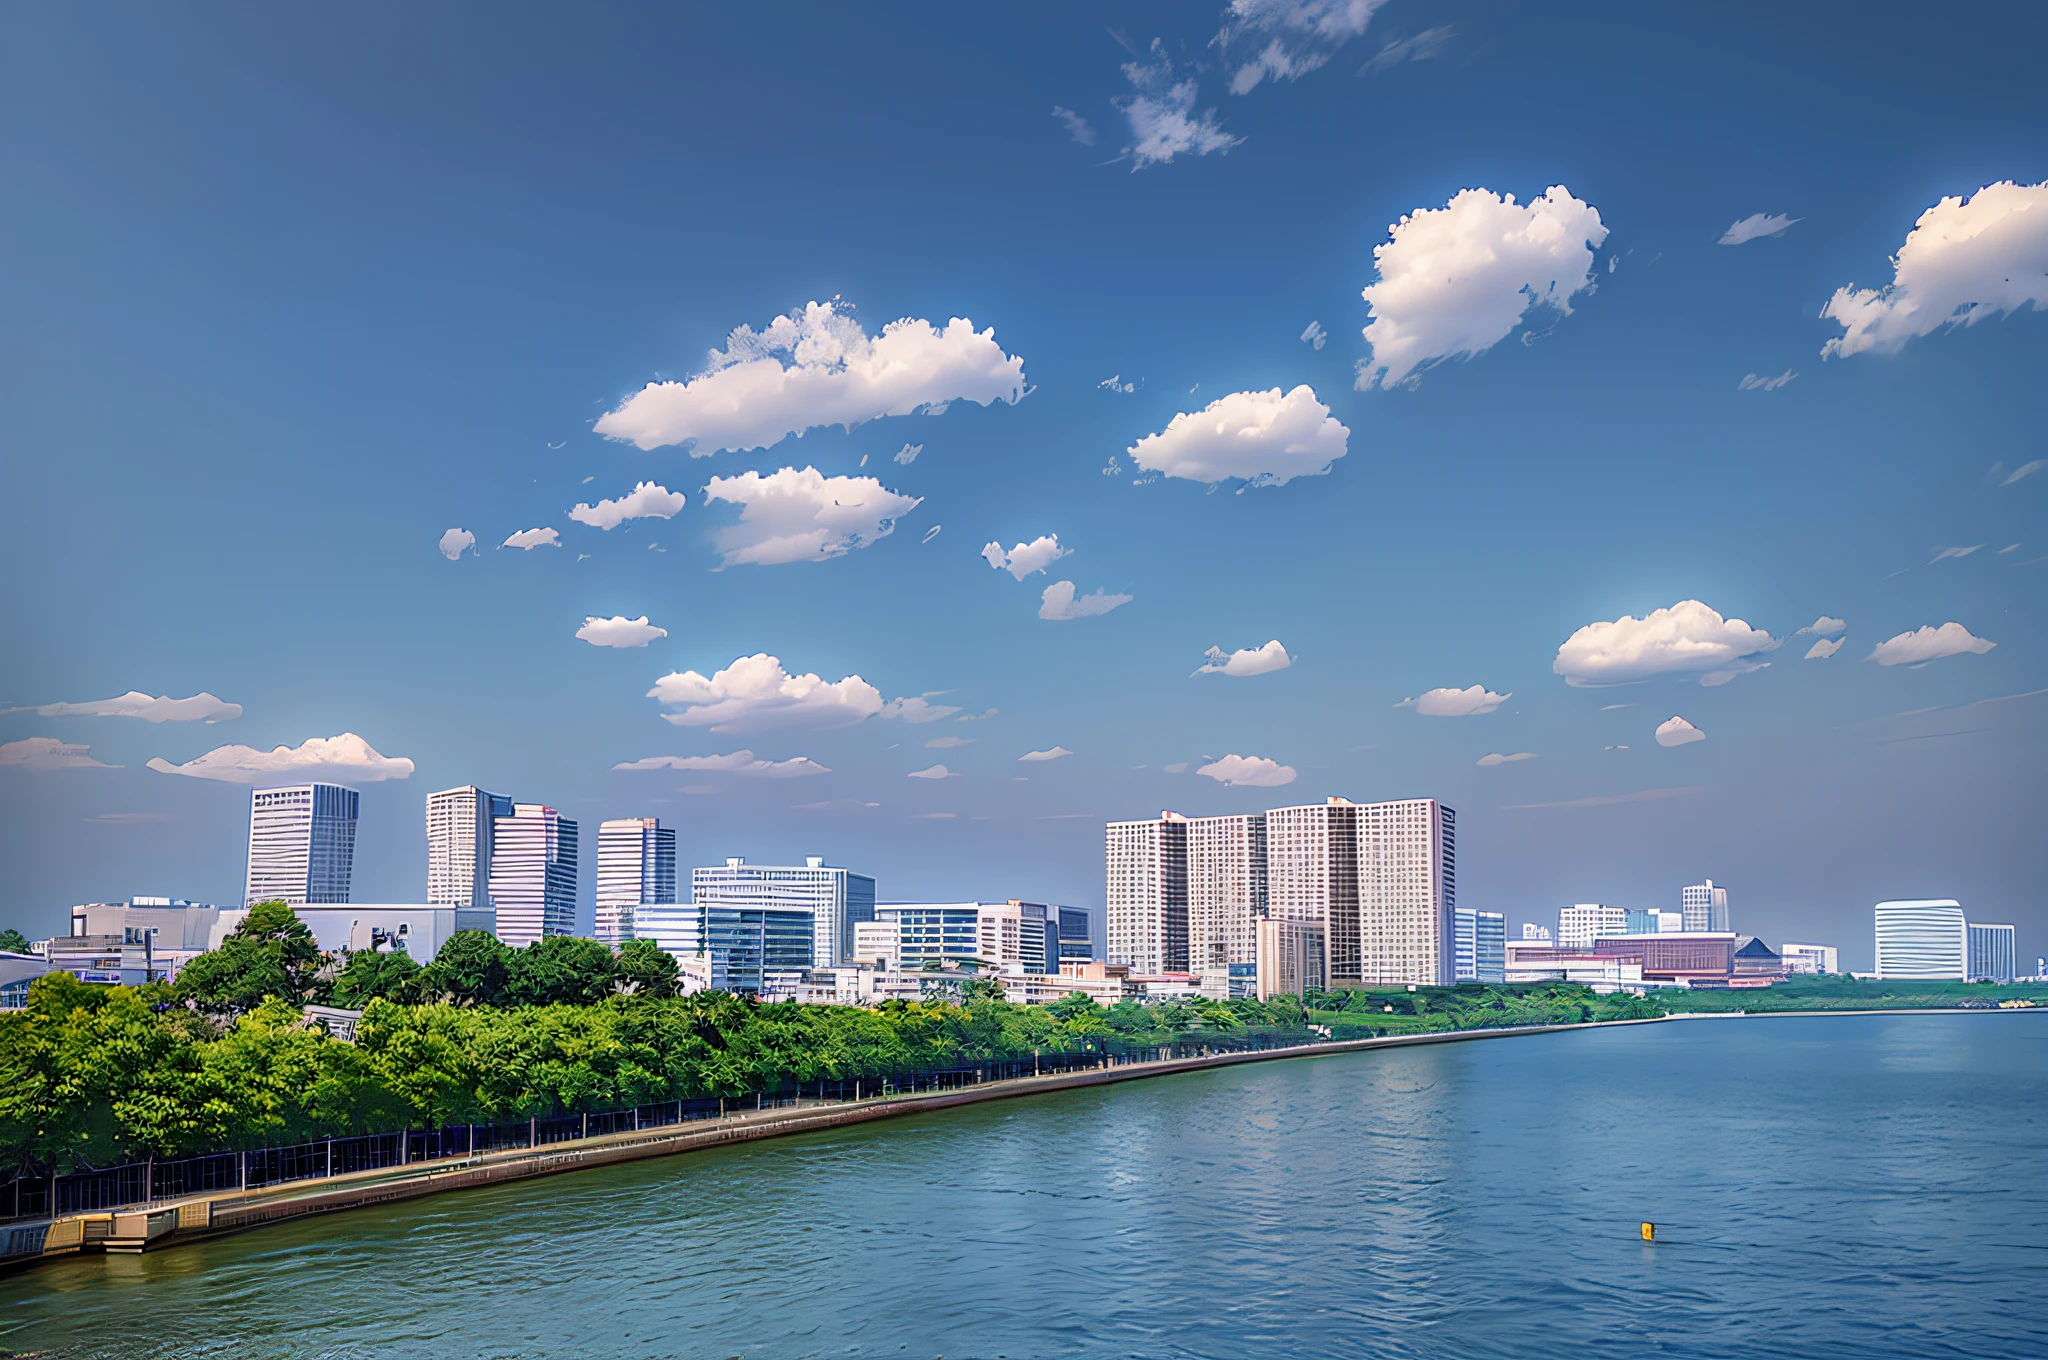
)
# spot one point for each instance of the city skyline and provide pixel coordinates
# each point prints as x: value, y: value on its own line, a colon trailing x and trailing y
x: 1706, y: 541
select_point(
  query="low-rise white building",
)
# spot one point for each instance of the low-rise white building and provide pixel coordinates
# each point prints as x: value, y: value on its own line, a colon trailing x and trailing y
x: 417, y: 929
x: 1810, y: 958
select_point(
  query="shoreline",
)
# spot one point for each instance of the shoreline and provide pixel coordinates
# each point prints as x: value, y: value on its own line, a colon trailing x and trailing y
x: 204, y: 1217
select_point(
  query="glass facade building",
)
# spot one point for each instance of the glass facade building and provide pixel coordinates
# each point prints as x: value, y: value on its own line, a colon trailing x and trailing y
x: 1993, y: 957
x: 836, y: 898
x: 939, y: 934
x: 302, y: 844
x: 742, y: 943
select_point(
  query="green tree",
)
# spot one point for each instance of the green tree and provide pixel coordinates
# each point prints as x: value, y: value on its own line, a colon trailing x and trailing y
x: 369, y: 975
x: 13, y: 941
x: 271, y: 953
x: 470, y: 969
x: 560, y: 968
x: 646, y: 969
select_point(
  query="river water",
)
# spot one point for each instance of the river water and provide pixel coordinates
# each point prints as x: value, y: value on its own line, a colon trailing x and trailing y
x: 1832, y: 1186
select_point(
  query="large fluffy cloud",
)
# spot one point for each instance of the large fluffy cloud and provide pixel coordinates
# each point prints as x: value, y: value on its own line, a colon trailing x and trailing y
x: 1455, y: 280
x: 738, y: 762
x: 755, y: 694
x: 814, y: 369
x: 1289, y: 38
x: 1161, y: 111
x: 1457, y: 703
x: 347, y: 756
x: 1025, y: 558
x: 1267, y: 438
x: 1060, y: 603
x: 1964, y: 261
x: 1676, y: 731
x: 48, y: 753
x: 201, y: 707
x: 619, y: 631
x: 1251, y: 771
x: 803, y: 516
x: 1687, y: 639
x: 648, y: 500
x: 1928, y: 644
x: 1247, y: 660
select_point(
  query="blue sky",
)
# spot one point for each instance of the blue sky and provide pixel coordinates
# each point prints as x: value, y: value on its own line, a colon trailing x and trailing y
x: 290, y: 295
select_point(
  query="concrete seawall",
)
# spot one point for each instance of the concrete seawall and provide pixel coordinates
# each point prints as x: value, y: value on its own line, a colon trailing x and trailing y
x: 200, y: 1217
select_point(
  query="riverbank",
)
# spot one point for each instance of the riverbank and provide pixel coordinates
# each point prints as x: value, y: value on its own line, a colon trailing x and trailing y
x: 198, y: 1218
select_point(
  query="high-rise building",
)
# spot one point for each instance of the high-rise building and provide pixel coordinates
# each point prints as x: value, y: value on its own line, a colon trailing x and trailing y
x: 836, y: 898
x: 1291, y: 960
x: 1581, y: 924
x: 533, y: 874
x: 1226, y: 888
x: 739, y: 943
x: 1480, y: 945
x: 1925, y: 938
x: 636, y: 863
x: 1810, y: 958
x: 460, y: 822
x: 1993, y: 957
x: 1704, y: 906
x: 1146, y: 894
x: 1312, y: 875
x: 302, y: 844
x: 1407, y: 890
x: 1017, y: 934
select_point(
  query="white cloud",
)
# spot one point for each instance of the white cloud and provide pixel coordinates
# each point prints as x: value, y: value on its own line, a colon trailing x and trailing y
x: 1178, y: 767
x: 48, y: 753
x: 1687, y: 638
x: 1498, y: 759
x: 1247, y: 660
x: 948, y: 743
x: 1964, y: 261
x: 1454, y: 281
x: 1025, y: 558
x: 1059, y: 603
x: 1255, y: 772
x: 529, y: 539
x: 648, y: 500
x: 1115, y: 383
x: 792, y: 516
x: 1423, y: 46
x: 1077, y: 126
x: 1755, y: 225
x: 1676, y: 731
x: 1823, y: 648
x: 1267, y: 438
x: 1752, y: 383
x: 749, y: 398
x: 908, y: 454
x: 2025, y: 470
x: 1291, y: 37
x: 1315, y: 336
x: 1824, y: 627
x: 1457, y: 703
x: 935, y: 772
x: 1052, y: 754
x: 347, y: 756
x: 755, y: 694
x: 456, y: 542
x: 1943, y: 554
x: 1926, y: 643
x: 201, y: 707
x: 1162, y: 114
x: 738, y: 762
x: 917, y: 709
x: 619, y: 631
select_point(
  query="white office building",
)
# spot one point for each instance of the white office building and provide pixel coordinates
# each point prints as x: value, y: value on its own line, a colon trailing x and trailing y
x: 838, y: 899
x: 1811, y: 958
x: 302, y: 844
x: 460, y: 825
x: 1704, y: 906
x: 1926, y: 938
x: 1532, y: 931
x: 1993, y: 956
x: 1479, y: 945
x: 417, y: 929
x: 1013, y: 936
x: 533, y: 874
x: 1584, y: 922
x: 636, y: 863
x: 1146, y: 894
x: 1226, y: 888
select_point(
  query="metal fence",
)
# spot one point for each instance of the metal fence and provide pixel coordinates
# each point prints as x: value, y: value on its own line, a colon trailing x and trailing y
x: 36, y: 1193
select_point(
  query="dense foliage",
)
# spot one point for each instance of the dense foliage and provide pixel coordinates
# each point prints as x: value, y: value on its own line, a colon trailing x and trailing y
x: 13, y: 941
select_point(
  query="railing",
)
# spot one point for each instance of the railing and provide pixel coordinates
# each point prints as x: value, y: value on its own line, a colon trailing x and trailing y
x: 39, y: 1195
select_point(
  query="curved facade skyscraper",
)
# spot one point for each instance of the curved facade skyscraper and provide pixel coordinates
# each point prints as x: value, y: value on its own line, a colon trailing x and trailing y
x: 302, y: 844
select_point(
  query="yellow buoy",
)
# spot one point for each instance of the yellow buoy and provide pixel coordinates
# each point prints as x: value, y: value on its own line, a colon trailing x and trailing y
x: 1649, y: 1232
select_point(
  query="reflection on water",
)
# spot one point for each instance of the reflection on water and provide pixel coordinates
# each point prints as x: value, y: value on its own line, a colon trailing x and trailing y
x: 1834, y: 1186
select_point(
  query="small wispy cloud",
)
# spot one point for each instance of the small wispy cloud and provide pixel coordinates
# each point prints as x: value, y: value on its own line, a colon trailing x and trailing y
x: 1944, y: 554
x: 1077, y: 126
x: 1498, y: 759
x: 1427, y: 44
x: 1757, y: 225
x: 1315, y: 337
x: 1053, y: 753
x: 1608, y: 800
x: 935, y: 772
x: 1823, y: 648
x: 1753, y: 383
x: 2024, y: 470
